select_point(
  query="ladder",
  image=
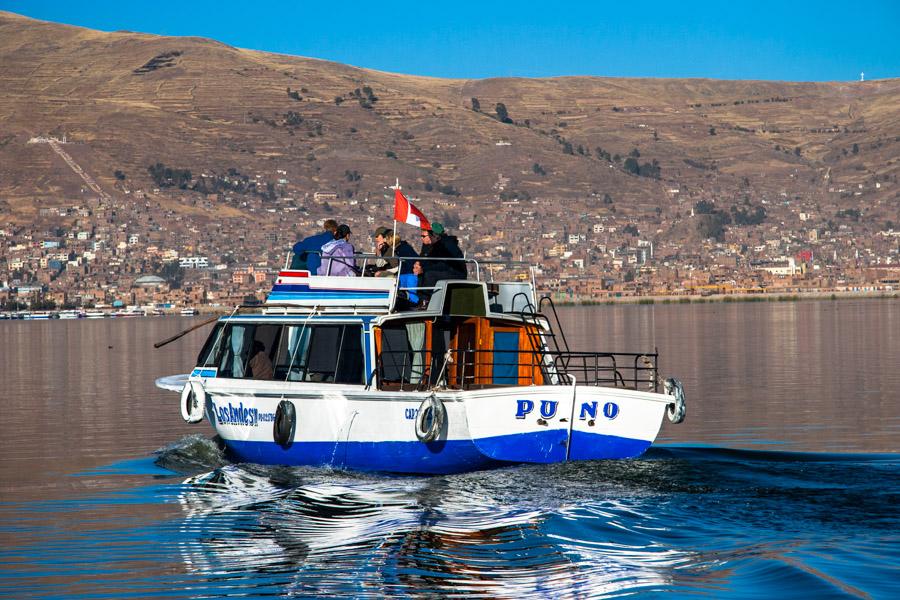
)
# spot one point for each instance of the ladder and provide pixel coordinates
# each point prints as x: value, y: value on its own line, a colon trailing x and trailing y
x: 559, y: 358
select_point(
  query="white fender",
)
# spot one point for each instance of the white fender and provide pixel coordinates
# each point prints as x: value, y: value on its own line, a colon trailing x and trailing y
x: 193, y: 402
x: 675, y: 410
x: 430, y: 419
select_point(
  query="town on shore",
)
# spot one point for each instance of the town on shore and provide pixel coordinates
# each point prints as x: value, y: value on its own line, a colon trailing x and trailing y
x: 111, y: 252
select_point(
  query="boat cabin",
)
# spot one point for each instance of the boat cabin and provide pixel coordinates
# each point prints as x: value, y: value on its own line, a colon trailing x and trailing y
x: 350, y: 331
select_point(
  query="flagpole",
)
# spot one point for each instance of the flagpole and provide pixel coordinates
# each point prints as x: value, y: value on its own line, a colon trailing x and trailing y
x: 396, y: 187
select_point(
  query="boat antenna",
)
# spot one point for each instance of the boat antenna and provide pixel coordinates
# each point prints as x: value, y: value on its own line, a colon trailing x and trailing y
x: 185, y: 332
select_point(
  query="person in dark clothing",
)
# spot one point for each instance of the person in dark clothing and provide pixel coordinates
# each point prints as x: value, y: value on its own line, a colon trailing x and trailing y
x: 437, y: 244
x: 306, y: 251
x: 393, y: 250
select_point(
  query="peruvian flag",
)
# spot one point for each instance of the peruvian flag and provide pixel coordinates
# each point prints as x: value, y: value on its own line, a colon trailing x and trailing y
x: 405, y: 212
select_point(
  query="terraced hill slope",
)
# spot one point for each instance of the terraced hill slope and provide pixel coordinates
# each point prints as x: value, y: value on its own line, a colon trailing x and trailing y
x: 126, y: 101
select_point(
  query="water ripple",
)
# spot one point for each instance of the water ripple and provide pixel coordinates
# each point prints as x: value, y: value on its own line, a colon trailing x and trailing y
x: 694, y: 521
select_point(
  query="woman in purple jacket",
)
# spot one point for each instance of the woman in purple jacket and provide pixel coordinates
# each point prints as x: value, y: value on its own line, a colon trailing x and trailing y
x: 337, y: 255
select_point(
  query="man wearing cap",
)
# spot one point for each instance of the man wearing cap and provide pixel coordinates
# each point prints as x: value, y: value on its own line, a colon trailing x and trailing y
x: 436, y: 243
x: 337, y: 255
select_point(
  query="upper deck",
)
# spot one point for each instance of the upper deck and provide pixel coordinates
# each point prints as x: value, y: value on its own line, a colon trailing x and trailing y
x: 301, y: 291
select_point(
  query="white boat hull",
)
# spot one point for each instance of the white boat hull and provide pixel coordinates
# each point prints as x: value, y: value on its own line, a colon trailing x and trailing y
x: 351, y: 427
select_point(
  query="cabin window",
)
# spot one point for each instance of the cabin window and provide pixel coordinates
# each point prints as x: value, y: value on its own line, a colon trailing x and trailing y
x: 246, y: 350
x: 321, y: 353
x: 463, y: 299
x: 210, y: 350
x: 404, y: 356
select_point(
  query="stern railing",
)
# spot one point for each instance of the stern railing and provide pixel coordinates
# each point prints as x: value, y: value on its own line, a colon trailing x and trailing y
x: 479, y: 369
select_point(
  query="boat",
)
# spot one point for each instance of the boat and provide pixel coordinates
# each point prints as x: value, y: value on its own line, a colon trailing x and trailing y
x: 71, y: 314
x: 341, y: 372
x: 129, y: 311
x: 37, y: 316
x: 95, y: 314
x: 189, y: 311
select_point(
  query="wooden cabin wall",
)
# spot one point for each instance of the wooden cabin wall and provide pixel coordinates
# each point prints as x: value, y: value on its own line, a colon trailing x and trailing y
x: 477, y: 369
x: 529, y: 369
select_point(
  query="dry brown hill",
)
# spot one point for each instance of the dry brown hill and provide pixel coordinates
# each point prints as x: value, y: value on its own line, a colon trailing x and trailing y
x: 130, y: 100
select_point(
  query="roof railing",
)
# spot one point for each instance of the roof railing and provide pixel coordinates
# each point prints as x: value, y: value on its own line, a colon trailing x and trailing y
x: 367, y: 257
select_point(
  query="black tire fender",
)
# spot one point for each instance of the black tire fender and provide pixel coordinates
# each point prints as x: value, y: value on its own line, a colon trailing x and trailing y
x: 285, y: 425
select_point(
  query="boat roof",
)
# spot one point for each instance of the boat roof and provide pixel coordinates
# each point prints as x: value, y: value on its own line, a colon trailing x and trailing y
x: 301, y: 293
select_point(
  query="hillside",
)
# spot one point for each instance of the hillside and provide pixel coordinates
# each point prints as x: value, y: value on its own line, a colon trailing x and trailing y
x: 130, y: 100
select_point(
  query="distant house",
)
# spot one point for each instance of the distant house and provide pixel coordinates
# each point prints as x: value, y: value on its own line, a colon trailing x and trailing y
x: 784, y: 268
x: 193, y: 262
x: 323, y: 196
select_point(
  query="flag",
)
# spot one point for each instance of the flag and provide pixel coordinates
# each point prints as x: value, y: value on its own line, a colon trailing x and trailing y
x: 405, y: 212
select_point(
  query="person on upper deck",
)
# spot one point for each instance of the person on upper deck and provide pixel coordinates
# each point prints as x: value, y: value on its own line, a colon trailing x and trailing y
x: 392, y: 248
x: 436, y: 243
x: 337, y: 255
x: 409, y: 296
x: 306, y: 251
x: 381, y: 249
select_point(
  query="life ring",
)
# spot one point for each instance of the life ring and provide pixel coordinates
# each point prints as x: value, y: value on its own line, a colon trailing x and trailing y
x: 193, y: 402
x: 675, y: 410
x: 430, y: 419
x: 285, y: 424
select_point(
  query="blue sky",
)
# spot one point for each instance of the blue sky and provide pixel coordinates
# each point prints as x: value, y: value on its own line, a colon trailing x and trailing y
x: 785, y: 40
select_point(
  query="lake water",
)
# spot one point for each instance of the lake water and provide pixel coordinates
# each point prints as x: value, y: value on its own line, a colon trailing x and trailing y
x: 784, y: 480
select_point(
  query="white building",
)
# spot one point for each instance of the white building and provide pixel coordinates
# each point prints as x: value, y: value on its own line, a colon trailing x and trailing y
x: 193, y: 262
x: 783, y: 269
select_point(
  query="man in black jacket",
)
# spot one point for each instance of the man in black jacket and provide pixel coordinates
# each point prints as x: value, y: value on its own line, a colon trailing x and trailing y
x: 436, y: 243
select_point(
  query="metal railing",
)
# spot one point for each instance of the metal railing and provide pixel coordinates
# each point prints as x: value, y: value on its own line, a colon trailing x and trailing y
x: 413, y: 370
x: 367, y: 258
x: 362, y: 263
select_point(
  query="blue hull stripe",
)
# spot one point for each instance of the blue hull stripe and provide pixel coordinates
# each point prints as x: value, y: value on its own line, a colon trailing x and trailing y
x: 454, y: 456
x: 546, y: 446
x: 587, y: 446
x: 448, y: 456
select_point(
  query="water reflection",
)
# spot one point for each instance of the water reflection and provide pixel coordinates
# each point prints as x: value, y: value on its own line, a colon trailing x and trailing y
x: 85, y: 513
x: 416, y: 537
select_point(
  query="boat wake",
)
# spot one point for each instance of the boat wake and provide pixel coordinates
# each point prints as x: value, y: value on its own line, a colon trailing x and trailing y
x: 689, y: 520
x: 191, y: 454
